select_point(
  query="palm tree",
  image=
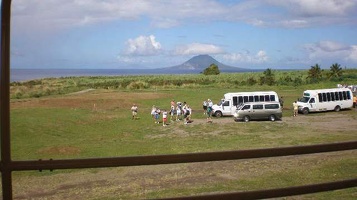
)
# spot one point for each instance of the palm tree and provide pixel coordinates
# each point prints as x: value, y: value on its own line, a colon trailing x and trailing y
x: 335, y: 71
x: 315, y: 73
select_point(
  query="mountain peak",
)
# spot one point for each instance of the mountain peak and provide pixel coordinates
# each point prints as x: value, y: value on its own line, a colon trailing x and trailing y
x: 200, y: 62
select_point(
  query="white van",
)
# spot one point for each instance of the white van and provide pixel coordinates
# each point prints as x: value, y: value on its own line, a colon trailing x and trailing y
x: 228, y: 105
x: 325, y: 100
x: 258, y: 111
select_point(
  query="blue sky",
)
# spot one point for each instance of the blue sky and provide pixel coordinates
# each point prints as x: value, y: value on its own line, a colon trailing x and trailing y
x: 115, y: 34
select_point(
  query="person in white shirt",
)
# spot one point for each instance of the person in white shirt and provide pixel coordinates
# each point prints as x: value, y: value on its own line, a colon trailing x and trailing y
x: 153, y: 113
x: 164, y: 118
x: 178, y: 111
x: 204, y: 106
x: 134, y: 111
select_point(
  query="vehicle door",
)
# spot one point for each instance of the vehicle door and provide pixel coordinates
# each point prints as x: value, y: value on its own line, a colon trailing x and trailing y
x: 226, y: 108
x: 312, y: 104
x: 258, y: 112
x: 246, y: 110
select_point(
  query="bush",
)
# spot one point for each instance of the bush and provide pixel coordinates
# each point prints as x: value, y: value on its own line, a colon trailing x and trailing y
x: 211, y: 70
x: 137, y: 85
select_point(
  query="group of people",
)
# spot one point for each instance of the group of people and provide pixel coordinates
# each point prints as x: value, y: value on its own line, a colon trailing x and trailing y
x: 178, y: 111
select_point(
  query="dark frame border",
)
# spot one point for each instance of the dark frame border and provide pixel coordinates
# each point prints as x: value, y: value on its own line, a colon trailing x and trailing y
x: 7, y: 166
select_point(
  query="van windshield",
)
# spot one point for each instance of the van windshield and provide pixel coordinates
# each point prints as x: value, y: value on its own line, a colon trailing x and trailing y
x: 221, y: 102
x: 240, y: 106
x: 304, y: 99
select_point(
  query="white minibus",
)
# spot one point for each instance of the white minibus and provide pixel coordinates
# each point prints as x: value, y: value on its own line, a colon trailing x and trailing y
x: 325, y: 100
x: 228, y: 105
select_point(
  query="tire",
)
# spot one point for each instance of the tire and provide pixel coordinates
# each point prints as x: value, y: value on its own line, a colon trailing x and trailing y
x: 246, y: 118
x: 218, y: 114
x: 305, y: 111
x: 337, y: 108
x: 272, y: 118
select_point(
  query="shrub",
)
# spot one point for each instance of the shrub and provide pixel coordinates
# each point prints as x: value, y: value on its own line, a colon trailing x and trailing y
x: 137, y: 85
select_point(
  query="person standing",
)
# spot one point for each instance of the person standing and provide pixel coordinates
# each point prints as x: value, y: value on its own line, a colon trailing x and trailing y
x: 209, y: 111
x: 157, y: 115
x: 281, y: 101
x: 173, y: 103
x: 164, y: 117
x: 172, y: 113
x: 153, y: 113
x: 178, y: 111
x: 187, y: 115
x: 134, y: 111
x: 204, y: 106
x: 354, y: 101
x: 295, y: 107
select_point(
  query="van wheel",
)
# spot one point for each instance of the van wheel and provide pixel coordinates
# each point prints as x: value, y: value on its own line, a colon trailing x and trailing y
x: 305, y: 111
x: 246, y: 118
x: 337, y: 108
x: 272, y: 118
x: 218, y: 114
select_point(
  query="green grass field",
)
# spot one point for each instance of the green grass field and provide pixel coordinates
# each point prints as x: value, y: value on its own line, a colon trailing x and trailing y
x: 97, y: 123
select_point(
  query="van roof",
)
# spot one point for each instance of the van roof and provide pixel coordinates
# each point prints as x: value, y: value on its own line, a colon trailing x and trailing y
x: 254, y: 92
x: 263, y: 102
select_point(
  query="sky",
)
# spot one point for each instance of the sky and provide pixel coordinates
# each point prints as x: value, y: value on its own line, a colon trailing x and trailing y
x: 145, y: 34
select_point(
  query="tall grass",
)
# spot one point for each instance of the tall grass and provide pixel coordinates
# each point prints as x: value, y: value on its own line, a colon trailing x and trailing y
x: 64, y: 85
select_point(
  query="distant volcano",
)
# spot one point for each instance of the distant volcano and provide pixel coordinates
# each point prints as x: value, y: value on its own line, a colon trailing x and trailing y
x: 201, y: 62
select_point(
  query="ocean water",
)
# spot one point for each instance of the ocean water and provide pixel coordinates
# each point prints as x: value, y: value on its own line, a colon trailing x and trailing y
x: 31, y: 74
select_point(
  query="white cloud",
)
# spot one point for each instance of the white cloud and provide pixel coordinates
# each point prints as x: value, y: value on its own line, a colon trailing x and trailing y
x: 294, y: 23
x: 198, y: 48
x: 260, y: 57
x: 313, y: 8
x: 143, y: 46
x: 294, y: 13
x: 59, y: 14
x: 352, y: 56
x: 330, y: 50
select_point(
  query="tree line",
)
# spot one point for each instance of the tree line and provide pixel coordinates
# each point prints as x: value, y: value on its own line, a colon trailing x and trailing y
x: 315, y: 75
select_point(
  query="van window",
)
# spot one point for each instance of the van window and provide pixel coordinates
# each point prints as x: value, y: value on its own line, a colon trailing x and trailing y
x: 240, y: 100
x: 235, y: 99
x: 245, y: 98
x: 312, y: 100
x: 320, y: 97
x: 344, y: 95
x: 226, y: 103
x: 341, y: 96
x: 246, y: 107
x: 348, y: 95
x: 324, y: 98
x: 261, y: 98
x: 272, y: 97
x: 272, y: 106
x: 256, y: 98
x: 328, y: 96
x: 251, y: 99
x: 257, y: 107
x: 267, y: 98
x: 332, y: 96
x: 337, y: 97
